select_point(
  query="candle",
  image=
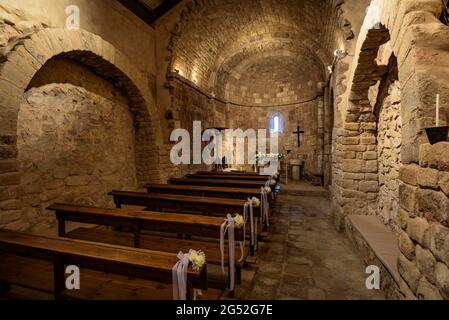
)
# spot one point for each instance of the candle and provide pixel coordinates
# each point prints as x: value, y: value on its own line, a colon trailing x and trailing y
x: 437, y: 122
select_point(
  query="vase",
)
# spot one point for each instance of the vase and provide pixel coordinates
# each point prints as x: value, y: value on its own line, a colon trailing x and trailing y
x: 437, y: 134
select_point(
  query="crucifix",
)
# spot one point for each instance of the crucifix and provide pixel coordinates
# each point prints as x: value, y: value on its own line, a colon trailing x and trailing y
x: 298, y: 132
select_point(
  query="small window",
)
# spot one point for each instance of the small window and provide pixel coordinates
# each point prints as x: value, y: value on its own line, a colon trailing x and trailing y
x: 275, y: 123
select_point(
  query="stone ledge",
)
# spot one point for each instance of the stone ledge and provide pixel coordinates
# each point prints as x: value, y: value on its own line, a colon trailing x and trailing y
x: 378, y: 246
x: 380, y: 239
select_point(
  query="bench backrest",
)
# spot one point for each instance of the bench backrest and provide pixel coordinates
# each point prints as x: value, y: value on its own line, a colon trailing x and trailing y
x: 220, y: 192
x: 193, y: 225
x: 218, y: 182
x: 140, y: 263
x: 226, y: 177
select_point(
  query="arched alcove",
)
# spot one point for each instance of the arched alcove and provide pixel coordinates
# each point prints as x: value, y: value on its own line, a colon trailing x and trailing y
x: 17, y: 74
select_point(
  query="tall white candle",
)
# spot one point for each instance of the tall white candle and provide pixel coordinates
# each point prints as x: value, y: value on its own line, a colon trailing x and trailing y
x: 437, y: 122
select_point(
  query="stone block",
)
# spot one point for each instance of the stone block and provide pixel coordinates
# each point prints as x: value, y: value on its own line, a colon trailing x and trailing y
x: 426, y: 263
x: 77, y: 180
x: 435, y: 156
x: 9, y: 216
x: 442, y: 279
x: 427, y: 291
x: 443, y: 182
x: 433, y: 205
x: 406, y: 246
x: 370, y: 155
x: 403, y: 218
x: 409, y: 174
x: 369, y: 186
x: 348, y: 140
x: 436, y: 239
x: 416, y: 228
x: 9, y: 179
x: 428, y: 178
x: 409, y: 272
x: 9, y: 166
x: 407, y: 197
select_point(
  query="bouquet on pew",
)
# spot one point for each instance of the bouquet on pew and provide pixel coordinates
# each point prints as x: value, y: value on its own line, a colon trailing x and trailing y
x: 198, y: 259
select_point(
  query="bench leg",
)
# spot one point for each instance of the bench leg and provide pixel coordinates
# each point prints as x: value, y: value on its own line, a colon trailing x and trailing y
x: 4, y: 287
x: 61, y: 227
x: 238, y: 275
x: 58, y: 278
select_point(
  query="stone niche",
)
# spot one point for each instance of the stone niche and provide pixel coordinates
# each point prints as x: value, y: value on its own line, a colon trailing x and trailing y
x: 75, y: 141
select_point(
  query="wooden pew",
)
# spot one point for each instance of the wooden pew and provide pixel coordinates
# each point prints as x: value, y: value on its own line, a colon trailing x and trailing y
x: 167, y: 223
x: 218, y: 183
x: 227, y: 177
x: 140, y: 263
x: 185, y: 204
x: 217, y: 192
x: 238, y: 173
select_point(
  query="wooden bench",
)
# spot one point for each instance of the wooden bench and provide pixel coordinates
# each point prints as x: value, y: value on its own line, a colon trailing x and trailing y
x: 235, y: 173
x: 167, y: 223
x: 218, y: 183
x: 179, y: 203
x: 216, y: 192
x: 263, y: 179
x: 140, y: 263
x: 186, y: 204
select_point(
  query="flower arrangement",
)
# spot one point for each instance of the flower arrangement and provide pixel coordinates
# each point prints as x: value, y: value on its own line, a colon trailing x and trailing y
x: 270, y: 156
x: 256, y: 202
x: 272, y: 182
x: 198, y: 259
x: 238, y: 220
x: 267, y: 189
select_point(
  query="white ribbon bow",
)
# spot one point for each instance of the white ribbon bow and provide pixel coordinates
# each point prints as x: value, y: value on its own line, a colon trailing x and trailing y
x: 228, y: 226
x: 179, y: 276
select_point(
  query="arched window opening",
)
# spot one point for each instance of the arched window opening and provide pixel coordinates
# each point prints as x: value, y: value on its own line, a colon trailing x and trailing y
x: 276, y: 123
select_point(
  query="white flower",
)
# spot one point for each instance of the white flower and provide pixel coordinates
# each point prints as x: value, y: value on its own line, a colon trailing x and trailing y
x: 256, y: 202
x: 238, y: 220
x: 198, y: 259
x: 272, y: 182
x: 267, y: 189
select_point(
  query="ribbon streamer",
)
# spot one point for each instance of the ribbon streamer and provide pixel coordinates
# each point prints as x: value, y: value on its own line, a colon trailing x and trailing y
x: 248, y: 206
x: 228, y: 226
x: 264, y: 207
x: 179, y: 276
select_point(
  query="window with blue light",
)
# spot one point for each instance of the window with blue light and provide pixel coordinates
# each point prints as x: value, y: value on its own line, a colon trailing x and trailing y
x: 276, y: 123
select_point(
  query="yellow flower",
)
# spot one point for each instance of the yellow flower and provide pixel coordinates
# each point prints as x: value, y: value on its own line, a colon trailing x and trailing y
x: 267, y: 189
x: 273, y: 182
x: 256, y: 202
x: 198, y: 259
x: 238, y: 220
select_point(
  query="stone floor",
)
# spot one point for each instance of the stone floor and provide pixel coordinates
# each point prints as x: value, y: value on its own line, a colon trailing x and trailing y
x: 306, y: 258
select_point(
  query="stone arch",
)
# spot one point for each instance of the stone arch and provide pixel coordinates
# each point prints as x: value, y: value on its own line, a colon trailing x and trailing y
x: 356, y: 167
x: 24, y: 61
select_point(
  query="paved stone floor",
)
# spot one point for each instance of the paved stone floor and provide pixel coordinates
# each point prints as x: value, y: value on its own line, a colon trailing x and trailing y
x: 306, y: 258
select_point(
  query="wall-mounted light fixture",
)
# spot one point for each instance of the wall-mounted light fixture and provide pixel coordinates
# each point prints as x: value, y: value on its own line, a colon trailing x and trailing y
x: 340, y: 53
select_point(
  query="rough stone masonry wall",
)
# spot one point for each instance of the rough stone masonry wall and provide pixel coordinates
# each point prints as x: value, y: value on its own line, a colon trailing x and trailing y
x: 424, y: 217
x: 75, y: 143
x: 418, y: 40
x: 304, y: 115
x: 389, y: 141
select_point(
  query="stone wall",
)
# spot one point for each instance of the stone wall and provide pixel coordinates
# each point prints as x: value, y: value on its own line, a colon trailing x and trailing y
x: 389, y: 141
x: 410, y: 31
x: 304, y: 115
x: 75, y: 143
x: 424, y: 239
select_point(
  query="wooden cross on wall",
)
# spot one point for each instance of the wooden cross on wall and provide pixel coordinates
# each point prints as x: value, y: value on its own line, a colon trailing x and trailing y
x: 298, y: 132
